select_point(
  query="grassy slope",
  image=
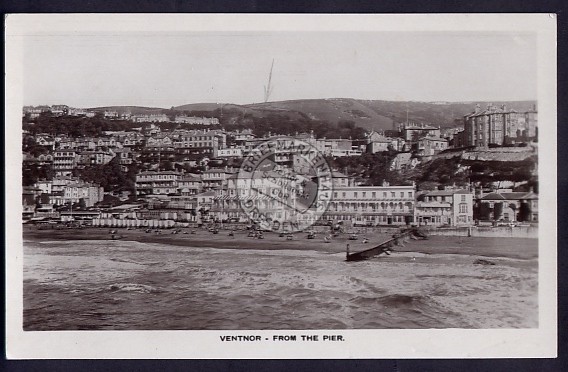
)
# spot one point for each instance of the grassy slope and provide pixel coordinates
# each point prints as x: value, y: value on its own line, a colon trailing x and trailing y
x: 332, y: 110
x: 134, y: 110
x: 369, y: 114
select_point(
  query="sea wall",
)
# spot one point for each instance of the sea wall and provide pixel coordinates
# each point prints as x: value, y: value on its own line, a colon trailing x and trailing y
x: 494, y: 232
x: 496, y: 154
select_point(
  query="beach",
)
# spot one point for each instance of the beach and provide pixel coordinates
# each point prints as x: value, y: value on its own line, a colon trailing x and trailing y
x: 518, y: 248
x: 84, y: 279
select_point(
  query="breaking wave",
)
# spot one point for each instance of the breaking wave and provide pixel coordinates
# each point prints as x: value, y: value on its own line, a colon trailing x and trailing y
x: 133, y: 286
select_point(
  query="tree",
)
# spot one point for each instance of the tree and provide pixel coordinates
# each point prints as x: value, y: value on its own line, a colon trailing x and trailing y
x: 497, y: 211
x: 524, y: 212
x: 483, y: 212
x: 167, y: 165
x: 110, y: 176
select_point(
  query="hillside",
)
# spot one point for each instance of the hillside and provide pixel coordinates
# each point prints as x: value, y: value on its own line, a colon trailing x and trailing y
x: 134, y: 110
x: 205, y: 106
x: 516, y: 167
x: 367, y: 114
x: 331, y: 110
x: 443, y: 114
x: 223, y: 108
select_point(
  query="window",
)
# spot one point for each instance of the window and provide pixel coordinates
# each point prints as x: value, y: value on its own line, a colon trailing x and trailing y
x: 364, y: 194
x: 374, y: 194
x: 463, y: 208
x: 463, y: 198
x: 410, y: 194
x: 384, y: 194
x: 355, y: 194
x: 343, y: 194
x: 392, y: 194
x: 335, y: 194
x: 402, y: 194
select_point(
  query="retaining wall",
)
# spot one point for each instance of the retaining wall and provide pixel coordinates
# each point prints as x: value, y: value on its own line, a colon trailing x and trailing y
x: 500, y: 231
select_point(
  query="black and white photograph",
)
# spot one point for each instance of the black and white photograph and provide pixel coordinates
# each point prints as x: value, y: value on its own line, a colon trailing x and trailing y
x: 333, y: 186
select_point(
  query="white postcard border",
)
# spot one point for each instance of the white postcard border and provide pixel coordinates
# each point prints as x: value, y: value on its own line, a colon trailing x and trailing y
x: 445, y: 343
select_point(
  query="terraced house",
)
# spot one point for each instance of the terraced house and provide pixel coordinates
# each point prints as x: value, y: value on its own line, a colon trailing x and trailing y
x: 372, y: 205
x: 157, y: 183
x: 445, y: 207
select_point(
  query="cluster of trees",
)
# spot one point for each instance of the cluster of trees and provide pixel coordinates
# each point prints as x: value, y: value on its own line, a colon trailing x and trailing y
x: 494, y: 171
x: 283, y: 124
x: 110, y: 176
x: 73, y: 126
x: 440, y: 172
x: 31, y: 173
x: 371, y: 169
x: 262, y: 124
x: 443, y: 172
x: 30, y: 146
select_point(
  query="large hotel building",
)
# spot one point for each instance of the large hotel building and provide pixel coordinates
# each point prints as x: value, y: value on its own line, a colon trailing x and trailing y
x: 361, y: 205
x: 499, y: 126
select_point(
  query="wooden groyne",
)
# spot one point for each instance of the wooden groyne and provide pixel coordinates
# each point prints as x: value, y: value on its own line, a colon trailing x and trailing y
x: 385, y: 247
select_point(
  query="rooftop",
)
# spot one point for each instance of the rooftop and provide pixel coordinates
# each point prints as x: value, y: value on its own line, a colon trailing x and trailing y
x: 510, y: 196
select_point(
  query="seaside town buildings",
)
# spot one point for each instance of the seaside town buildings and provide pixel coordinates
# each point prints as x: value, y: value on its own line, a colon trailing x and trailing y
x: 372, y: 205
x: 510, y: 206
x: 215, y: 193
x: 499, y: 126
x: 445, y: 207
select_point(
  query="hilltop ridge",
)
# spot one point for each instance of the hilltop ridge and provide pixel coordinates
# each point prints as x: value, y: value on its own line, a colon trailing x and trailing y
x: 367, y: 114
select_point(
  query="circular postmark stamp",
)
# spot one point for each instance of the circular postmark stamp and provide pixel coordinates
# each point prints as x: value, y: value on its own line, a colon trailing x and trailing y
x: 286, y: 185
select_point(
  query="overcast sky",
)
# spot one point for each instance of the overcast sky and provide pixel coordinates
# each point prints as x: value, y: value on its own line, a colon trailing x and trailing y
x: 166, y: 70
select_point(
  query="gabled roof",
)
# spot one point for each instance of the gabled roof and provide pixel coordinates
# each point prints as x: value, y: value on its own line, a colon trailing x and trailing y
x: 447, y: 192
x: 530, y: 196
x: 510, y: 196
x: 433, y: 139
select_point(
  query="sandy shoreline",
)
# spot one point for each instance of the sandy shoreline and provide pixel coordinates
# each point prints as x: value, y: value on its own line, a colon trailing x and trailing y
x: 514, y: 248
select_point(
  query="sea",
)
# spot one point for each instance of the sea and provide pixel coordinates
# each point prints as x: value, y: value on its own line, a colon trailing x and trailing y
x: 125, y: 285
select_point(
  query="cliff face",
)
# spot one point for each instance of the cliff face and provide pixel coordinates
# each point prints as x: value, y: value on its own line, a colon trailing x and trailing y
x: 504, y: 154
x: 511, y: 166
